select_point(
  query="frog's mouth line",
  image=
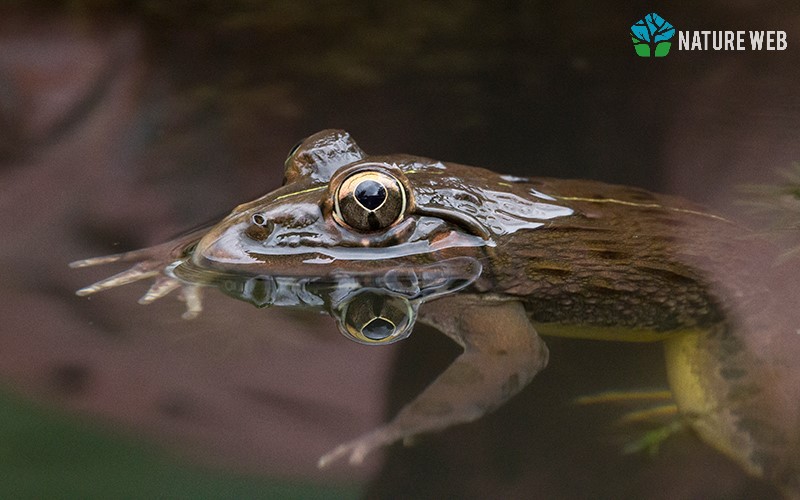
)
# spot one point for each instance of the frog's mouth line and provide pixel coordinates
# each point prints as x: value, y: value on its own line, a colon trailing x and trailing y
x: 460, y: 219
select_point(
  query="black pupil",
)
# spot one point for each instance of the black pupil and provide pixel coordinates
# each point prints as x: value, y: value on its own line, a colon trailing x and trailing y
x: 370, y: 194
x: 378, y: 329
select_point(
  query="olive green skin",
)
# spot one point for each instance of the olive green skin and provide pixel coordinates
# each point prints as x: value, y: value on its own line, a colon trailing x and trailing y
x: 581, y: 258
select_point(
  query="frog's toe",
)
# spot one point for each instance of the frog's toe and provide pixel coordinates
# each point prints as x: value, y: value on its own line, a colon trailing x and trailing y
x: 96, y: 261
x: 192, y: 296
x: 650, y: 442
x: 356, y: 453
x: 144, y: 256
x: 358, y: 449
x: 653, y: 415
x: 162, y: 286
x: 625, y: 396
x: 136, y: 273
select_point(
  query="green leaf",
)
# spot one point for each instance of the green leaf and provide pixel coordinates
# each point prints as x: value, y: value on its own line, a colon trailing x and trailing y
x: 662, y: 49
x: 642, y: 50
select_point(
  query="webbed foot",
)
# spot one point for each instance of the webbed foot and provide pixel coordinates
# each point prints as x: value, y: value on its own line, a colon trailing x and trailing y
x: 151, y: 262
x: 663, y: 417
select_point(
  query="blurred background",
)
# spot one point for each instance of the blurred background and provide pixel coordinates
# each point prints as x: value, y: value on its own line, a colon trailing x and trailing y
x: 125, y: 122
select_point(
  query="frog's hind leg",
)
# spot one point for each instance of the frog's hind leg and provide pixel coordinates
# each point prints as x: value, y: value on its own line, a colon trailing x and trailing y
x: 502, y: 353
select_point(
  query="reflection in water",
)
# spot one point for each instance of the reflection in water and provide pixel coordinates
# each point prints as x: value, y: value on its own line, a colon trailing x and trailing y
x: 368, y: 308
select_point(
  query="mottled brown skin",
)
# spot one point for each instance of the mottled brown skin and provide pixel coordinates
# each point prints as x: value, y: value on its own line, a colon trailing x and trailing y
x: 560, y: 257
x: 611, y: 264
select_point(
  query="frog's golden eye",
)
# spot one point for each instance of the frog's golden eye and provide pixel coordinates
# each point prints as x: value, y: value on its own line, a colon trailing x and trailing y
x: 376, y: 318
x: 369, y: 200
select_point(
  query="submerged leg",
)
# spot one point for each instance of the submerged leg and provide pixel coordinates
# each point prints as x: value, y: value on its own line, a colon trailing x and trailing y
x: 502, y: 353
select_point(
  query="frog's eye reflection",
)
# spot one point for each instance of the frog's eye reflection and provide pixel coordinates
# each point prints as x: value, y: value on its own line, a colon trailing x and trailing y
x: 376, y: 318
x: 378, y: 329
x: 369, y: 201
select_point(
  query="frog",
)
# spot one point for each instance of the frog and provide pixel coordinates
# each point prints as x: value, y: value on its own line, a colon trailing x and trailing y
x: 497, y: 262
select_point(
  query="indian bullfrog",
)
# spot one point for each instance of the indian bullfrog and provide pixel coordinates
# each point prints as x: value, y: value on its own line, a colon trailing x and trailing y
x: 495, y: 262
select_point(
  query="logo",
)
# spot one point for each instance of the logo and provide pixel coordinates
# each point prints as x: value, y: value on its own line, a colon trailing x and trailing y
x: 651, y: 35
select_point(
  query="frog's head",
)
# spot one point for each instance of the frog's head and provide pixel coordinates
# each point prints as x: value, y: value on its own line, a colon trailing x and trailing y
x: 367, y: 238
x: 342, y: 209
x: 338, y: 204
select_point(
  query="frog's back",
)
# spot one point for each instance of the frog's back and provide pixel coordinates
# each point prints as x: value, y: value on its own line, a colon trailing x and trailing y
x: 627, y: 265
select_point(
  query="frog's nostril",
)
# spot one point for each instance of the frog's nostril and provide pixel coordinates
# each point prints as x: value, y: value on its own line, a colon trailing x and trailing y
x: 259, y: 220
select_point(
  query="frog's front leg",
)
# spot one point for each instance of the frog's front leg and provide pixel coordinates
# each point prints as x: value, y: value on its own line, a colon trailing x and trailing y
x: 502, y: 353
x: 151, y: 262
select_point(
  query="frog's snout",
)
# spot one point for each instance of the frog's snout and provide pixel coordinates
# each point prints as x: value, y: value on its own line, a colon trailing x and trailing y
x: 227, y: 244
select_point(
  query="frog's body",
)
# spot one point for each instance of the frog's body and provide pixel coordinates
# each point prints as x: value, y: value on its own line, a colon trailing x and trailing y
x: 569, y: 258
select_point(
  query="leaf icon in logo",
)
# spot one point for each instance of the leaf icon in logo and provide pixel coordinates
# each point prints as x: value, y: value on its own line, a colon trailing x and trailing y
x: 651, y: 35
